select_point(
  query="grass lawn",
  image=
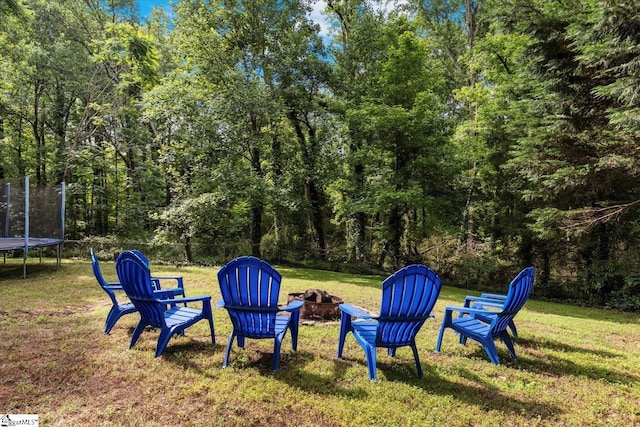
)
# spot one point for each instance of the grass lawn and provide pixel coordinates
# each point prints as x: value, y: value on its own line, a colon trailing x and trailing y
x: 577, y: 366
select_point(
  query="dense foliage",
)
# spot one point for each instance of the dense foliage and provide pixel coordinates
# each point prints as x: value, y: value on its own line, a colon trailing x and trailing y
x: 476, y: 136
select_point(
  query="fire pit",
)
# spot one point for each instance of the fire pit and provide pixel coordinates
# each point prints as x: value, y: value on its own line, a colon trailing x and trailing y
x: 318, y: 304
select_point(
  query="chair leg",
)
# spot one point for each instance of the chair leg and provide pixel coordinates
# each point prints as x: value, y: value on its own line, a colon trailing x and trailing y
x: 370, y: 353
x: 213, y: 335
x: 507, y: 341
x: 439, y: 342
x: 293, y: 326
x: 417, y: 358
x: 277, y: 345
x: 112, y: 318
x: 512, y: 326
x: 228, y: 350
x: 463, y: 339
x: 490, y: 349
x: 136, y: 333
x: 163, y: 340
x: 345, y: 328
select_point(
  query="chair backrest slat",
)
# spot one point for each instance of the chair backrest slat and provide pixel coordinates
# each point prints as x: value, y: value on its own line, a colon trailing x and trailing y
x: 250, y: 289
x: 408, y: 297
x: 135, y: 278
x: 97, y: 272
x: 519, y: 290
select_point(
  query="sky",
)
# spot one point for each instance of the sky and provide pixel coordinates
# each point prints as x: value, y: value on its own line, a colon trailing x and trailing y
x: 145, y: 7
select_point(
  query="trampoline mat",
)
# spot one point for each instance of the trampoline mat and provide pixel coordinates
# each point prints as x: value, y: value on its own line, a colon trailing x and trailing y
x: 9, y: 243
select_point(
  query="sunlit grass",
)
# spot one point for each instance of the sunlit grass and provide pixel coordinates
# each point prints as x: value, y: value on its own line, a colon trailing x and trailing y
x: 577, y: 366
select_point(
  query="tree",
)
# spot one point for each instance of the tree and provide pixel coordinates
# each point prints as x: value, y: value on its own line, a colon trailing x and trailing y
x: 256, y: 69
x: 393, y: 100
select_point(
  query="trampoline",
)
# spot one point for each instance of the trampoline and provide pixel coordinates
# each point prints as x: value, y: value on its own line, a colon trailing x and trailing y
x: 31, y: 218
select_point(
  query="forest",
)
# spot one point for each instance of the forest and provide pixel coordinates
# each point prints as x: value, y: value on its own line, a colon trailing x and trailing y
x: 476, y: 136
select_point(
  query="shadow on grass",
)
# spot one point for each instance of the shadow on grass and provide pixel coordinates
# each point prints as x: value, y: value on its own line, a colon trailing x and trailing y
x: 322, y: 384
x: 557, y: 366
x: 186, y: 356
x: 535, y: 343
x: 554, y: 365
x: 34, y: 270
x: 180, y: 354
x: 483, y: 394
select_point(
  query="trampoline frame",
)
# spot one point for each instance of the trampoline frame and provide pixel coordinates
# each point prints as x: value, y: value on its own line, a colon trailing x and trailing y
x: 26, y: 242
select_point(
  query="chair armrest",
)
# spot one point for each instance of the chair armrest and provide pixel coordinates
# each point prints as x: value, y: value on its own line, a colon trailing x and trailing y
x: 187, y: 299
x: 483, y: 301
x: 163, y: 294
x: 220, y: 304
x: 294, y: 305
x: 468, y: 310
x: 114, y: 286
x: 494, y: 296
x: 156, y: 281
x: 489, y: 303
x: 176, y: 278
x: 356, y: 312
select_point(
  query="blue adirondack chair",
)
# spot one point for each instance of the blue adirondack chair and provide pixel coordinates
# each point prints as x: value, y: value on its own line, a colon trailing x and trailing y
x: 153, y: 306
x: 117, y: 309
x: 408, y: 296
x: 250, y: 288
x: 485, y: 325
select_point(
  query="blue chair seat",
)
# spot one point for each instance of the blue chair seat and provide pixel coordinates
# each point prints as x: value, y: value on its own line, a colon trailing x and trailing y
x: 472, y: 326
x: 492, y: 303
x: 177, y: 316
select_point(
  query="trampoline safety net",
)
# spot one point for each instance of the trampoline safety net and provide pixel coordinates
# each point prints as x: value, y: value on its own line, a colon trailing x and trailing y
x: 31, y: 216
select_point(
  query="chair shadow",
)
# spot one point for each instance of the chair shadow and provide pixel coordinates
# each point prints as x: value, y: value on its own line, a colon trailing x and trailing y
x: 174, y: 351
x: 404, y: 371
x: 321, y: 384
x: 556, y: 366
x: 482, y: 393
x: 181, y: 355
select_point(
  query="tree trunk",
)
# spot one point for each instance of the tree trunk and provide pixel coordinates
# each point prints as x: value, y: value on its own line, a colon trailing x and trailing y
x: 257, y: 206
x: 188, y: 250
x: 256, y: 230
x: 310, y: 153
x: 395, y: 228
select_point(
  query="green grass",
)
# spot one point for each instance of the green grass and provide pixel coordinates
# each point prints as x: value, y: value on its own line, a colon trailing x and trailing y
x: 577, y: 366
